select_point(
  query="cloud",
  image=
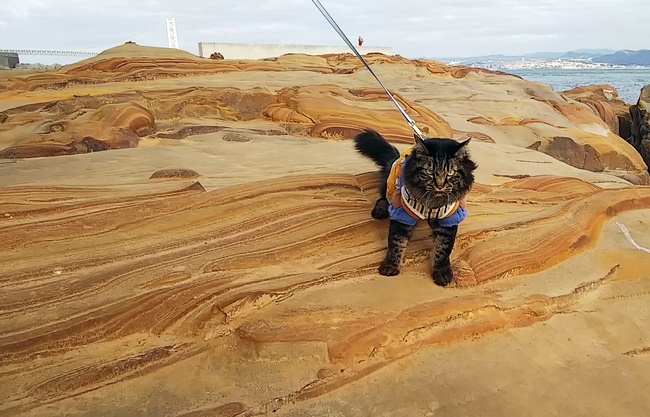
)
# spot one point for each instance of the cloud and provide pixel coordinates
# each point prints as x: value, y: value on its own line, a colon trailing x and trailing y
x: 413, y: 28
x: 20, y: 9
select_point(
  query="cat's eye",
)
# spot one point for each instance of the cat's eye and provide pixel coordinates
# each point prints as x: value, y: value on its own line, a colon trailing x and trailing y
x: 451, y: 173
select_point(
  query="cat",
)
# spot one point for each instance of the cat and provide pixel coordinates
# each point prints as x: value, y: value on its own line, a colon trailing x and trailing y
x: 428, y: 181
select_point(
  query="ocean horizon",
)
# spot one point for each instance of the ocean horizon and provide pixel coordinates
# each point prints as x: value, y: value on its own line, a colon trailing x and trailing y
x: 628, y: 82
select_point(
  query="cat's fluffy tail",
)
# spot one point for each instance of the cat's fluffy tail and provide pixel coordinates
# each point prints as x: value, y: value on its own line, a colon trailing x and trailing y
x: 372, y: 145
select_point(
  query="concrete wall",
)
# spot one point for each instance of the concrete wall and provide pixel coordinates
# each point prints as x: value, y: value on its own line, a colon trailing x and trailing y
x: 9, y: 59
x: 259, y: 51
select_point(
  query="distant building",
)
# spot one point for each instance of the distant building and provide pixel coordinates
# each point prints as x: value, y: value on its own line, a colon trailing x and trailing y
x: 9, y: 59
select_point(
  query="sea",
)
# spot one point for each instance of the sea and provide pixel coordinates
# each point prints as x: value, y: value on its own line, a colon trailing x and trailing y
x: 628, y: 82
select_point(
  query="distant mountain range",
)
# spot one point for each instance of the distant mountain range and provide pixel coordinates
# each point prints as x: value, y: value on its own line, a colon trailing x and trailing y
x: 605, y: 56
x: 626, y: 57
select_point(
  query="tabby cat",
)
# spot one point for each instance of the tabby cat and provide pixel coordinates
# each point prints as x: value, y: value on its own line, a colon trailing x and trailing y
x: 428, y: 181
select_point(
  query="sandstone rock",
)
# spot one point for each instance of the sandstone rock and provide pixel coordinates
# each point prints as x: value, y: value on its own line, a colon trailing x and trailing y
x: 175, y: 173
x: 261, y: 295
x: 334, y: 112
x: 587, y: 141
x: 186, y: 131
x: 477, y: 136
x: 121, y: 120
x: 568, y: 151
x: 323, y: 111
x: 37, y: 150
x: 93, y: 145
x: 128, y: 116
x: 632, y: 179
x: 236, y: 137
x: 132, y: 62
x: 604, y: 101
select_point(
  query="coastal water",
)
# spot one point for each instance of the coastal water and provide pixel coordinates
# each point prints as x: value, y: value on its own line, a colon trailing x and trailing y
x: 628, y: 82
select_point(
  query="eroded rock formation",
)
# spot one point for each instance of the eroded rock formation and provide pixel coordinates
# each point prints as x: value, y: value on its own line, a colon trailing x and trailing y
x: 115, y: 121
x: 640, y: 129
x: 604, y: 101
x: 255, y: 292
x: 239, y: 275
x: 93, y: 122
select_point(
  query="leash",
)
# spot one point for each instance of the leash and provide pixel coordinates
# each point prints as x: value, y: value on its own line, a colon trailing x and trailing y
x: 338, y: 30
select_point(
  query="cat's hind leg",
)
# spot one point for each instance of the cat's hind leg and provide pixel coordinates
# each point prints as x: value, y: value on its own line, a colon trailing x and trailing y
x: 443, y: 243
x: 398, y: 237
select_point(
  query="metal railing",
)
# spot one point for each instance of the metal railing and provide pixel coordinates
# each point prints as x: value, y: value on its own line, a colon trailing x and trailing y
x: 48, y: 53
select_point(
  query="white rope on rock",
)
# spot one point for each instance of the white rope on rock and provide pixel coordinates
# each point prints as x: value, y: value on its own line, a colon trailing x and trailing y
x: 627, y: 235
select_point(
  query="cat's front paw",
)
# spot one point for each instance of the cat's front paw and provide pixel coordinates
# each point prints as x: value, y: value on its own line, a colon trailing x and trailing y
x: 388, y: 270
x: 380, y: 211
x: 443, y: 275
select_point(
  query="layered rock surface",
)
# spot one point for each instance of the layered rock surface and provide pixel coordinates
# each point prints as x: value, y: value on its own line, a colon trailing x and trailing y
x: 100, y: 120
x: 218, y: 258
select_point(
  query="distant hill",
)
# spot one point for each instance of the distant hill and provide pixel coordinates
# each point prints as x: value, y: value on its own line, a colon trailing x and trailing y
x: 626, y: 57
x: 579, y: 55
x: 575, y: 54
x: 541, y: 55
x: 594, y: 52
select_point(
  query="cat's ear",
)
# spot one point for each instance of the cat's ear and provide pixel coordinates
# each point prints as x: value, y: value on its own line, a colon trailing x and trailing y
x: 419, y: 144
x: 462, y: 147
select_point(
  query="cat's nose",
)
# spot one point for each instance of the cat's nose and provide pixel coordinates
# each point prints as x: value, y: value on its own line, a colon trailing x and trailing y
x: 440, y: 183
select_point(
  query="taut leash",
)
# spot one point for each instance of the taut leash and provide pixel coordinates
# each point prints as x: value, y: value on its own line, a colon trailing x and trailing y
x: 338, y: 30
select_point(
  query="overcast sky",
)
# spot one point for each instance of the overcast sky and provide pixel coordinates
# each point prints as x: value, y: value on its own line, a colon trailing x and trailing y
x: 412, y: 28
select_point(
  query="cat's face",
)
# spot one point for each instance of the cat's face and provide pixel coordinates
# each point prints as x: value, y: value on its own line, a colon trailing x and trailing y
x: 440, y: 168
